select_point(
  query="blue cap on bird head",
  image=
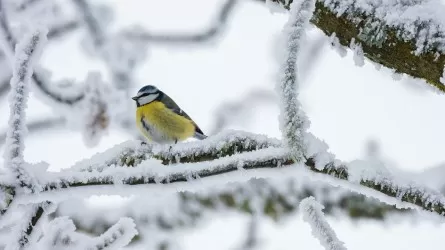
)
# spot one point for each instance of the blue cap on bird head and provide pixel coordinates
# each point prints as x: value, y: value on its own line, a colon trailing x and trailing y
x: 146, y: 90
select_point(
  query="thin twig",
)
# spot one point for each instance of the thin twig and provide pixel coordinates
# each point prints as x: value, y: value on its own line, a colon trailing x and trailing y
x: 217, y: 27
x: 39, y: 125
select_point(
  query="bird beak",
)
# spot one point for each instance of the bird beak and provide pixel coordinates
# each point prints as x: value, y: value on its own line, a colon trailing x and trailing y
x: 134, y: 98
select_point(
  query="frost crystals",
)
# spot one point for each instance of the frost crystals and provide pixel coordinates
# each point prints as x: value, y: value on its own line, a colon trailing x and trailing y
x: 293, y: 121
x: 26, y: 53
x: 60, y: 234
x: 313, y: 214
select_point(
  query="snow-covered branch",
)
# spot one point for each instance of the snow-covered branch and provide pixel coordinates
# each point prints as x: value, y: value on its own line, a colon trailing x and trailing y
x: 313, y: 214
x: 26, y: 53
x: 293, y: 121
x: 41, y: 84
x: 151, y: 170
x: 119, y: 235
x: 415, y: 38
x: 60, y: 234
x: 278, y: 199
x: 39, y: 125
x: 21, y: 231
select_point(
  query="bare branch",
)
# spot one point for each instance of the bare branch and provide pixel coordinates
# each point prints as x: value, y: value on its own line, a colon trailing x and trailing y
x: 90, y: 21
x: 217, y: 27
x: 62, y: 29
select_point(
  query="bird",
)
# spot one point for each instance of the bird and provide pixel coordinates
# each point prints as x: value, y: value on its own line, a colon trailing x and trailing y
x: 161, y: 120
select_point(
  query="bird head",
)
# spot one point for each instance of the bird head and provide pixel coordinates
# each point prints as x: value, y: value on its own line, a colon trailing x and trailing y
x: 146, y: 95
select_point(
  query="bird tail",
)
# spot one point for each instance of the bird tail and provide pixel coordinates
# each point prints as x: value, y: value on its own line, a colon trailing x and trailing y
x: 199, y: 136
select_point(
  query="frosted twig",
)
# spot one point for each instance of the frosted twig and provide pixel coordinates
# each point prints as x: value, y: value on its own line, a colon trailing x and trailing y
x: 251, y: 241
x: 293, y: 122
x: 24, y: 228
x: 119, y: 235
x: 38, y: 125
x: 60, y: 234
x: 217, y: 27
x: 27, y: 52
x: 41, y: 83
x: 312, y: 214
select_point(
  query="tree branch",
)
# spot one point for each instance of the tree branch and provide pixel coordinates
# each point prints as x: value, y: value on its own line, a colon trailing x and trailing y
x: 211, y: 32
x: 39, y: 125
x: 25, y: 55
x: 39, y: 80
x: 153, y: 172
x: 414, y: 45
x: 313, y: 214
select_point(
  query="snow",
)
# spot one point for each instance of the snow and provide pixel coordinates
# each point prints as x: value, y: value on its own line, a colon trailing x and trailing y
x: 402, y: 16
x: 313, y: 214
x: 335, y: 44
x: 60, y: 234
x: 27, y: 52
x: 359, y: 57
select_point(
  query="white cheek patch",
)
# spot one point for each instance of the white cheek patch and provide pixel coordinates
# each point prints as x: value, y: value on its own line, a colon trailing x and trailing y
x: 147, y: 99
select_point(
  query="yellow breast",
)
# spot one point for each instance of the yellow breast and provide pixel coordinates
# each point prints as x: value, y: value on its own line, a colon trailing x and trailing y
x: 164, y: 122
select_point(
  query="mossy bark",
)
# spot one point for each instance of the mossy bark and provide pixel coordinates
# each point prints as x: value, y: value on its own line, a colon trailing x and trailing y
x: 390, y: 51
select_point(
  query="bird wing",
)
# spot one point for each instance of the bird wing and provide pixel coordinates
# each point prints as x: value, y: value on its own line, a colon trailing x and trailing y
x: 170, y: 104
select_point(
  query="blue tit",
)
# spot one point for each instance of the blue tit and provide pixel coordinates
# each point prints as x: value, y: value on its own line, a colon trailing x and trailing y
x: 161, y: 120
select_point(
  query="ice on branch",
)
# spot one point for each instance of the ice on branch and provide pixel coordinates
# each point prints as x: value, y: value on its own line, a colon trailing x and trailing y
x: 335, y: 44
x: 26, y: 54
x: 359, y: 58
x: 293, y: 121
x: 313, y: 214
